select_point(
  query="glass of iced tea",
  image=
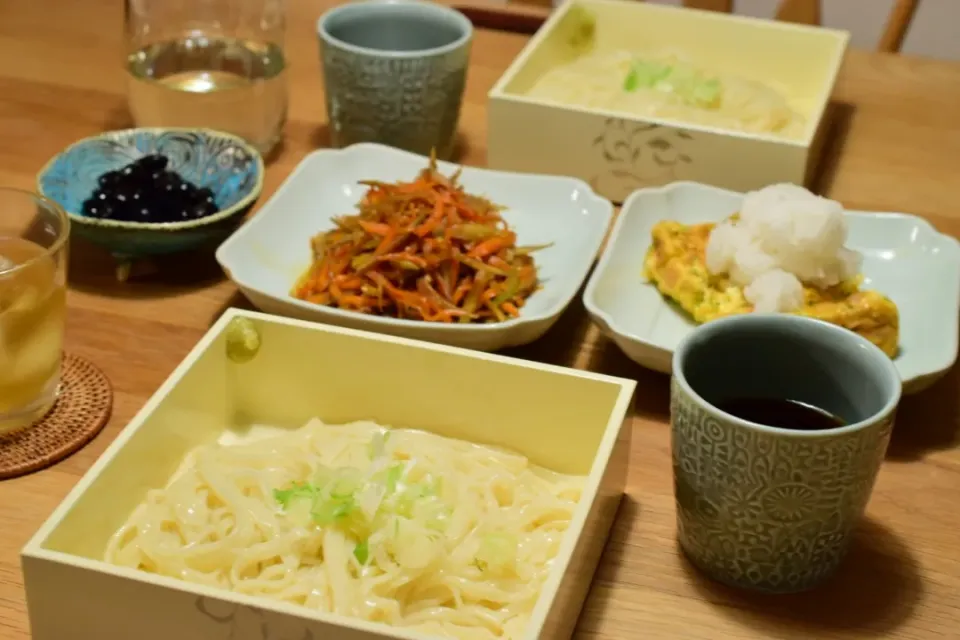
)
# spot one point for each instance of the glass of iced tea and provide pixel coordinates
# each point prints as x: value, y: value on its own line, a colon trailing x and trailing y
x: 215, y: 64
x: 34, y: 234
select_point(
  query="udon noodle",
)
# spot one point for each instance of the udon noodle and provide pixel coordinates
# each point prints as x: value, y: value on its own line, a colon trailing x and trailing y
x: 668, y: 86
x: 389, y: 525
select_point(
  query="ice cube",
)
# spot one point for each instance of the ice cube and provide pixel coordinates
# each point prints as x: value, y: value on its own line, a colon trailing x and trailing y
x: 37, y: 351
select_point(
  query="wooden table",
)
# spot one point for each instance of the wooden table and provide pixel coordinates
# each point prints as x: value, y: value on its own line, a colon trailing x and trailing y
x: 899, y: 150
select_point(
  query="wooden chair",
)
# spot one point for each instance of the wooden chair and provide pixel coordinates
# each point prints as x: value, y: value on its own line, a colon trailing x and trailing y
x: 800, y: 11
x: 808, y: 12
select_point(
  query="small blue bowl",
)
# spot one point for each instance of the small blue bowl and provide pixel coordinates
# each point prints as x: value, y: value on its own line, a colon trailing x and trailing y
x: 223, y: 163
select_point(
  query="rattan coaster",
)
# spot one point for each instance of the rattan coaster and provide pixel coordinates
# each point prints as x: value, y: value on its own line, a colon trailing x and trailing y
x: 79, y: 414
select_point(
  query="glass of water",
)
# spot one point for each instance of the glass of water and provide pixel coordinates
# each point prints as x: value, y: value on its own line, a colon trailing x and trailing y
x: 34, y: 234
x: 215, y: 64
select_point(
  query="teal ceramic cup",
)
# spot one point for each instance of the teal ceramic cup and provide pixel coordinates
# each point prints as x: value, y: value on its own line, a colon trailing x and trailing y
x: 394, y: 73
x: 761, y: 506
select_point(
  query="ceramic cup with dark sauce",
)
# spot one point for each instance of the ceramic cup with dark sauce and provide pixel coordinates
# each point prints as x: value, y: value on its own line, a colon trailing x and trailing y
x: 779, y: 426
x: 394, y: 73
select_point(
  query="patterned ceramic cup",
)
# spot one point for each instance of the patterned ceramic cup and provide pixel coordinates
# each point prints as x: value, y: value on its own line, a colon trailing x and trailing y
x: 395, y: 72
x: 760, y: 506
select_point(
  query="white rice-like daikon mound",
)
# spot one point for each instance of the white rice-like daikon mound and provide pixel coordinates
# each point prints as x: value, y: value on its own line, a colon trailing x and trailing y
x: 785, y: 237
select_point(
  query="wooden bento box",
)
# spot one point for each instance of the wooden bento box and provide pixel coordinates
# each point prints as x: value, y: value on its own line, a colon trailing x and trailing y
x: 617, y: 152
x: 257, y: 369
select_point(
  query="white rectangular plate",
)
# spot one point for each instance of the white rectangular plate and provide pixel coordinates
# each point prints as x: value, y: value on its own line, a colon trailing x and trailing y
x: 266, y: 255
x: 904, y: 258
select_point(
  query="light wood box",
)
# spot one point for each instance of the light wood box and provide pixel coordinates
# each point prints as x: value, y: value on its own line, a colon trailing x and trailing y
x: 570, y: 421
x: 617, y: 152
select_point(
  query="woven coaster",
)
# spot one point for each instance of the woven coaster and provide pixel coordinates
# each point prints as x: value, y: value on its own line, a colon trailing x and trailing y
x: 80, y: 412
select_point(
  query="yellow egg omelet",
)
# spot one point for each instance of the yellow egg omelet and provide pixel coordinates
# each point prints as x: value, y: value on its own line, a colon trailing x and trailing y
x: 676, y: 264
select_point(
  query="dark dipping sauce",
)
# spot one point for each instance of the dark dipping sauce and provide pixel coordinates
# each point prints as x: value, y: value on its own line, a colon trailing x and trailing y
x: 785, y: 414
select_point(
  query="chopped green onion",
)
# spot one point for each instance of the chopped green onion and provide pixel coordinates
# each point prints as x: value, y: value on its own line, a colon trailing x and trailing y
x: 394, y: 473
x: 346, y: 483
x: 328, y: 512
x: 646, y: 75
x: 322, y: 476
x: 298, y: 511
x: 362, y: 502
x: 438, y: 520
x: 705, y: 93
x: 362, y: 552
x: 497, y: 550
x: 297, y: 489
x: 377, y: 444
x: 404, y: 503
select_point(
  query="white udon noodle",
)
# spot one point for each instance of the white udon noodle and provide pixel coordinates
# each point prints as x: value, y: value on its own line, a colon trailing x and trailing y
x: 218, y: 523
x: 596, y: 81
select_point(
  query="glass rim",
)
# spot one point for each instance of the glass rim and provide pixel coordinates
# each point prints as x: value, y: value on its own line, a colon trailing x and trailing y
x: 380, y: 8
x: 62, y: 235
x: 818, y: 328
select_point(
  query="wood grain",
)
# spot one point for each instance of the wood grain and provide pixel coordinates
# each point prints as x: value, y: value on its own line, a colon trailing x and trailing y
x: 896, y: 147
x: 725, y: 6
x: 895, y: 31
x: 799, y: 11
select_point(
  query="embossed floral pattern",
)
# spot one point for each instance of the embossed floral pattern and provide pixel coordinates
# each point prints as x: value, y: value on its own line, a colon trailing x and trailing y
x: 409, y: 103
x: 764, y: 510
x: 789, y: 502
x: 226, y: 165
x: 638, y: 154
x: 239, y: 622
x: 206, y: 159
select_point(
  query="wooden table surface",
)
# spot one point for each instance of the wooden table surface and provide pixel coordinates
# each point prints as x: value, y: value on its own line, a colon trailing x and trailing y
x: 898, y: 150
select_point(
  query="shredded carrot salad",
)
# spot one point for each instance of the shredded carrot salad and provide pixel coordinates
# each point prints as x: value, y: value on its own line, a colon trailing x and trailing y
x: 422, y: 250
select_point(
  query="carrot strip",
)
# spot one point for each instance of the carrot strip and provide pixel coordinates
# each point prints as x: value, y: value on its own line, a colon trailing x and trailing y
x: 488, y: 247
x: 353, y: 301
x: 433, y: 221
x: 348, y: 282
x: 462, y: 289
x: 375, y: 228
x: 386, y: 243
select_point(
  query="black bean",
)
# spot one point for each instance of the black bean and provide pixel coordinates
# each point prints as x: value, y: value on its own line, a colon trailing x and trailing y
x: 150, y: 164
x: 109, y: 178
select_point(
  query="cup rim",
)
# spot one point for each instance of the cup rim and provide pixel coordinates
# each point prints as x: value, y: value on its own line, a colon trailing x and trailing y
x: 883, y: 361
x: 371, y: 5
x: 63, y: 234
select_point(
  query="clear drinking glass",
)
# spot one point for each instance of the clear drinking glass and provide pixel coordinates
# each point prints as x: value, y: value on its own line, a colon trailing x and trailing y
x: 34, y: 234
x: 215, y: 64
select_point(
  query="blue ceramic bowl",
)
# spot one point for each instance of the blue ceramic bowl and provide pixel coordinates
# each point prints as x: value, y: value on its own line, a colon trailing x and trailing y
x: 225, y: 164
